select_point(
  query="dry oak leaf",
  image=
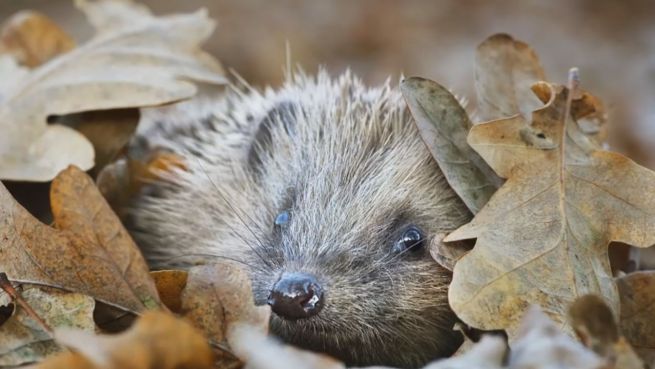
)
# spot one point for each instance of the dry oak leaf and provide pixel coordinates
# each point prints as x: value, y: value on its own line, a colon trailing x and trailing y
x: 32, y: 38
x: 144, y: 62
x: 262, y: 352
x: 217, y: 299
x: 637, y: 291
x: 170, y: 284
x: 505, y: 69
x: 542, y: 345
x: 217, y: 296
x: 24, y: 340
x: 542, y: 238
x: 444, y: 125
x: 89, y: 251
x: 488, y: 353
x: 123, y: 179
x: 596, y: 328
x: 107, y: 130
x: 157, y: 340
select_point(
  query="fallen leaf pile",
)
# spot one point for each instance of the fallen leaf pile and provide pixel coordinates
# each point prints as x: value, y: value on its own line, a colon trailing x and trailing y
x: 530, y: 164
x: 134, y: 60
x: 148, y: 344
x: 542, y: 238
x: 101, y: 260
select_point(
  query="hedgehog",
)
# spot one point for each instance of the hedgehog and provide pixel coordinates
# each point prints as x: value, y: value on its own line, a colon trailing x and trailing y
x: 325, y: 191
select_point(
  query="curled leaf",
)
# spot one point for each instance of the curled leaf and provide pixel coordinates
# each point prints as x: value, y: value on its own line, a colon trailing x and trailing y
x: 157, y: 340
x: 89, y: 251
x: 541, y: 344
x: 33, y: 39
x: 148, y: 61
x: 170, y: 284
x: 505, y: 70
x: 218, y: 296
x: 637, y: 291
x: 261, y: 352
x: 596, y: 327
x: 443, y: 125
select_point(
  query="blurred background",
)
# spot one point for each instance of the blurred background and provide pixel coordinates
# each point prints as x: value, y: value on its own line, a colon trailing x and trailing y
x: 612, y: 42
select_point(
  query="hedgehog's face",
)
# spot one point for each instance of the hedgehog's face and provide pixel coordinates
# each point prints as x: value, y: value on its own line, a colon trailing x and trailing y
x: 376, y: 298
x: 346, y: 266
x: 333, y: 206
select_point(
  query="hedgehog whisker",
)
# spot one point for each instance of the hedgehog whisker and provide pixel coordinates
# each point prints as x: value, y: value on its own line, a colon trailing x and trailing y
x: 229, y: 204
x: 215, y: 256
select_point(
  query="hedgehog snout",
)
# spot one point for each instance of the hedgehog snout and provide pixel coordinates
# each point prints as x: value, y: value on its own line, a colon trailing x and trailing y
x: 296, y: 296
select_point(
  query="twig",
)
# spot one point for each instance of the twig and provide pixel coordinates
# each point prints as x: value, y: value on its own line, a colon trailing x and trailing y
x: 6, y: 285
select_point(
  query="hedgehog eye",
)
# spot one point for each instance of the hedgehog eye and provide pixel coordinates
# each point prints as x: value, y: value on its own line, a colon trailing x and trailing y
x: 411, y: 239
x: 282, y: 219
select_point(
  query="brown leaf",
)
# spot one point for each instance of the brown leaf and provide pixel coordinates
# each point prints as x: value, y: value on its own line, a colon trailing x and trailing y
x: 588, y: 111
x: 448, y: 253
x: 157, y: 340
x: 443, y: 125
x: 594, y: 324
x: 219, y: 295
x: 505, y: 69
x: 107, y: 130
x: 542, y: 238
x: 541, y: 344
x: 637, y: 291
x: 89, y: 251
x: 121, y: 180
x: 218, y: 299
x: 148, y: 61
x: 33, y: 39
x: 170, y: 284
x: 24, y: 340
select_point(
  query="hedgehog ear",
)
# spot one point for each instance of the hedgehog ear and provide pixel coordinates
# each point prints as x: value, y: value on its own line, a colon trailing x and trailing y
x: 282, y: 114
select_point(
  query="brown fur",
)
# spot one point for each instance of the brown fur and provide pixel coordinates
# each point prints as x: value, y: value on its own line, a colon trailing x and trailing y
x: 348, y: 164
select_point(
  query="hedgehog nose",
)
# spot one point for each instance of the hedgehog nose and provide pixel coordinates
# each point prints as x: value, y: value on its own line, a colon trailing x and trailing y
x: 296, y: 296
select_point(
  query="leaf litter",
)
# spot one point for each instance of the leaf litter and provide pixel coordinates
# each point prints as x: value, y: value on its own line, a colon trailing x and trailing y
x: 144, y: 62
x: 543, y: 237
x: 87, y: 258
x: 24, y: 340
x: 88, y: 251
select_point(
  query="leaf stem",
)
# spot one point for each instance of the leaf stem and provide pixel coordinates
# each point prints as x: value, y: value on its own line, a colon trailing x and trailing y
x: 572, y: 85
x: 6, y: 285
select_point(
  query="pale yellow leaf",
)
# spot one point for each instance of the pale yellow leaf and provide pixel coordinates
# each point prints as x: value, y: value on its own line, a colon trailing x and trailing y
x: 147, y: 61
x: 261, y: 352
x: 543, y: 237
x: 505, y: 69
